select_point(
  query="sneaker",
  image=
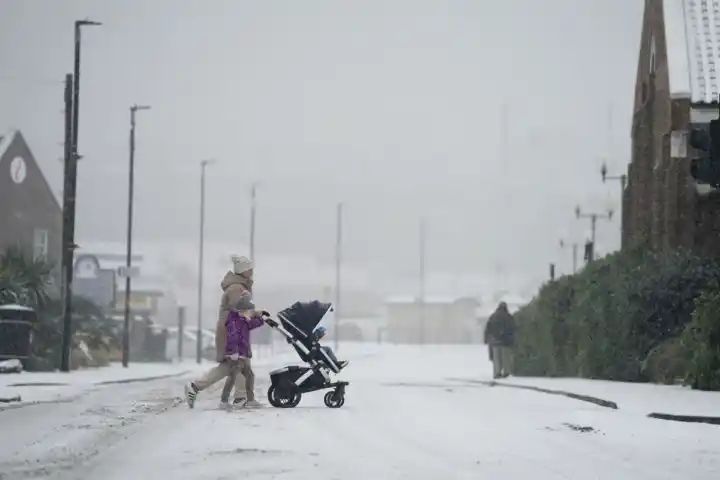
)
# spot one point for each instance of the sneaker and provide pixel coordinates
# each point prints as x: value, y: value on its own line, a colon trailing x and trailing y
x: 239, y: 402
x: 190, y: 395
x: 253, y: 404
x: 225, y: 406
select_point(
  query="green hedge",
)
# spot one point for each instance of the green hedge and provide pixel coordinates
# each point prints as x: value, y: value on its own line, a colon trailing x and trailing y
x: 616, y: 320
x: 702, y: 340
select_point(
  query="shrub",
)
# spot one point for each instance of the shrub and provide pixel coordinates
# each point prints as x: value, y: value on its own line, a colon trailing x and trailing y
x: 605, y: 321
x: 702, y: 339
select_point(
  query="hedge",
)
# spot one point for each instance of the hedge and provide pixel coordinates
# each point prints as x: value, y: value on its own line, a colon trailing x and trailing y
x: 618, y: 319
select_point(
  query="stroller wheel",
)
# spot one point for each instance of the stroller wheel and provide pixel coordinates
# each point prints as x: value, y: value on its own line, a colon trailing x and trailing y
x: 281, y: 398
x: 334, y: 399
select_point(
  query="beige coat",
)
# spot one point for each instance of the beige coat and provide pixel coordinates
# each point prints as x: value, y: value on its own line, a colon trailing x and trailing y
x: 236, y: 290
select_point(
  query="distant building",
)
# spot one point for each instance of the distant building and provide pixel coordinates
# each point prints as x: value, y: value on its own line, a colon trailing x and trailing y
x: 677, y: 87
x: 30, y: 215
x: 436, y: 320
x: 152, y: 305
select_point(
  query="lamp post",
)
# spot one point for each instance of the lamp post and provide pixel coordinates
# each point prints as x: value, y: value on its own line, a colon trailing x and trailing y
x: 203, y: 166
x: 605, y: 177
x: 338, y: 263
x: 421, y: 299
x: 253, y: 208
x: 574, y: 253
x: 593, y: 224
x: 76, y: 75
x: 623, y: 183
x: 128, y: 258
x: 72, y: 107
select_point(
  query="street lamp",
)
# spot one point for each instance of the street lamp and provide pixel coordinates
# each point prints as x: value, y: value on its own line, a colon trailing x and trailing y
x: 76, y: 85
x: 128, y: 258
x: 253, y: 208
x: 69, y: 192
x: 593, y: 221
x: 605, y: 177
x: 338, y: 263
x: 203, y: 166
x: 574, y: 253
x: 423, y: 246
x: 623, y: 183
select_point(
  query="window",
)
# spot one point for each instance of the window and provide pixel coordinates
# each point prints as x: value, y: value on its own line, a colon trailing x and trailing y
x: 40, y: 244
x: 653, y: 55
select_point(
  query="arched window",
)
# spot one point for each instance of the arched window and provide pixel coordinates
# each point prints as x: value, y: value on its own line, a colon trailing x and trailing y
x: 653, y: 55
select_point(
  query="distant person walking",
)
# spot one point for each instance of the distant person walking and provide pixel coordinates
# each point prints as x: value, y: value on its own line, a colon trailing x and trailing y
x: 500, y: 338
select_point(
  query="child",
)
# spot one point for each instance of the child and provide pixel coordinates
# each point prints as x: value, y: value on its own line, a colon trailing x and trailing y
x: 235, y: 355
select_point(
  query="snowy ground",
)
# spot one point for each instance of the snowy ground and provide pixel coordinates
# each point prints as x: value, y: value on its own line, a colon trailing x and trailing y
x: 407, y: 416
x: 34, y: 387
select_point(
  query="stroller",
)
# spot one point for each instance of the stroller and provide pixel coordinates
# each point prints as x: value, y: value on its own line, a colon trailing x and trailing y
x: 298, y: 324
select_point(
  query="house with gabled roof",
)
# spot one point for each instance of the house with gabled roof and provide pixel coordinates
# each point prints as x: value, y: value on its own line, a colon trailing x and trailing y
x: 677, y: 87
x: 30, y: 214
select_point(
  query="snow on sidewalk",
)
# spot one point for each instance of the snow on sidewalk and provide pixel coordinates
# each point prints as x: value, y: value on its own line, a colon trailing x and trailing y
x: 639, y: 398
x: 33, y: 387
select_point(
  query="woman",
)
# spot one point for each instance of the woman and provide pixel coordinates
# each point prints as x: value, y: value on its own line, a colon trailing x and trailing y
x: 234, y: 357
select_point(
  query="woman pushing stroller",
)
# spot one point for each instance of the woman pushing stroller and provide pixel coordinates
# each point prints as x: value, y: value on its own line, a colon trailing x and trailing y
x: 237, y: 317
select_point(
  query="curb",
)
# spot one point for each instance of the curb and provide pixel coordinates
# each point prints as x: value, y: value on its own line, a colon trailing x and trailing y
x: 686, y: 418
x: 583, y: 398
x: 105, y: 382
x: 21, y: 404
x: 142, y: 379
x: 39, y: 384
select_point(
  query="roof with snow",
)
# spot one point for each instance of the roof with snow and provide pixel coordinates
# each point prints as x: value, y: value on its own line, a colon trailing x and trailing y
x: 16, y: 307
x: 692, y: 32
x: 431, y: 299
x: 5, y: 141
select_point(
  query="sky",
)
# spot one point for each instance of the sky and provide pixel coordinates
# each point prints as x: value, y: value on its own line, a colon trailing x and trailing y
x: 394, y: 107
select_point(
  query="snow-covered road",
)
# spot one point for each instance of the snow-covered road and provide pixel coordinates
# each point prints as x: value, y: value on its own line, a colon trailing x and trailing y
x: 404, y: 418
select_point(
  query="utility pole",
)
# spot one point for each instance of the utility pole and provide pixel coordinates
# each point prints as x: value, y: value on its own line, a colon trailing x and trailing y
x: 422, y: 280
x: 338, y: 263
x: 623, y: 183
x: 72, y: 112
x: 593, y: 225
x: 574, y: 254
x: 68, y: 231
x: 203, y: 166
x: 128, y: 257
x: 181, y: 332
x: 253, y: 207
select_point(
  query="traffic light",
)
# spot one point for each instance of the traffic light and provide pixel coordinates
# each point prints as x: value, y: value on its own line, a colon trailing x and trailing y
x: 706, y: 167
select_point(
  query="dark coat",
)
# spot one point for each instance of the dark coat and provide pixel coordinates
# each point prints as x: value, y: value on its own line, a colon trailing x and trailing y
x: 500, y: 329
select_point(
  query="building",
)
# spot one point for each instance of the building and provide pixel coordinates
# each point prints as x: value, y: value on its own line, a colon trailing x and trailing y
x: 436, y: 320
x: 30, y: 215
x: 677, y: 87
x: 98, y: 269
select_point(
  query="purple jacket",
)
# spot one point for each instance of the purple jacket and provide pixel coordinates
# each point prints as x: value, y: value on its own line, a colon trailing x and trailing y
x: 238, y: 334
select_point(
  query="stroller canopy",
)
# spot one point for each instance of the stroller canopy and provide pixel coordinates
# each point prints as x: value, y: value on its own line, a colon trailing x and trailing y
x: 301, y: 318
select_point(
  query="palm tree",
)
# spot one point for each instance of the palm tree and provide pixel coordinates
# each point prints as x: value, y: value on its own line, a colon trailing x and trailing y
x: 23, y: 280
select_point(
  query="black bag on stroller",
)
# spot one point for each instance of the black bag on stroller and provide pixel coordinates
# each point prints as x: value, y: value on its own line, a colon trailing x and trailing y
x: 299, y: 325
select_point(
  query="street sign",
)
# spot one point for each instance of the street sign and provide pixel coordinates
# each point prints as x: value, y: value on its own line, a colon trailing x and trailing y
x: 132, y: 273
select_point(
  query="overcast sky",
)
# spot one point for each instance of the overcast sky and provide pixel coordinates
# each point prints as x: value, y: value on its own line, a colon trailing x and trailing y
x: 392, y: 106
